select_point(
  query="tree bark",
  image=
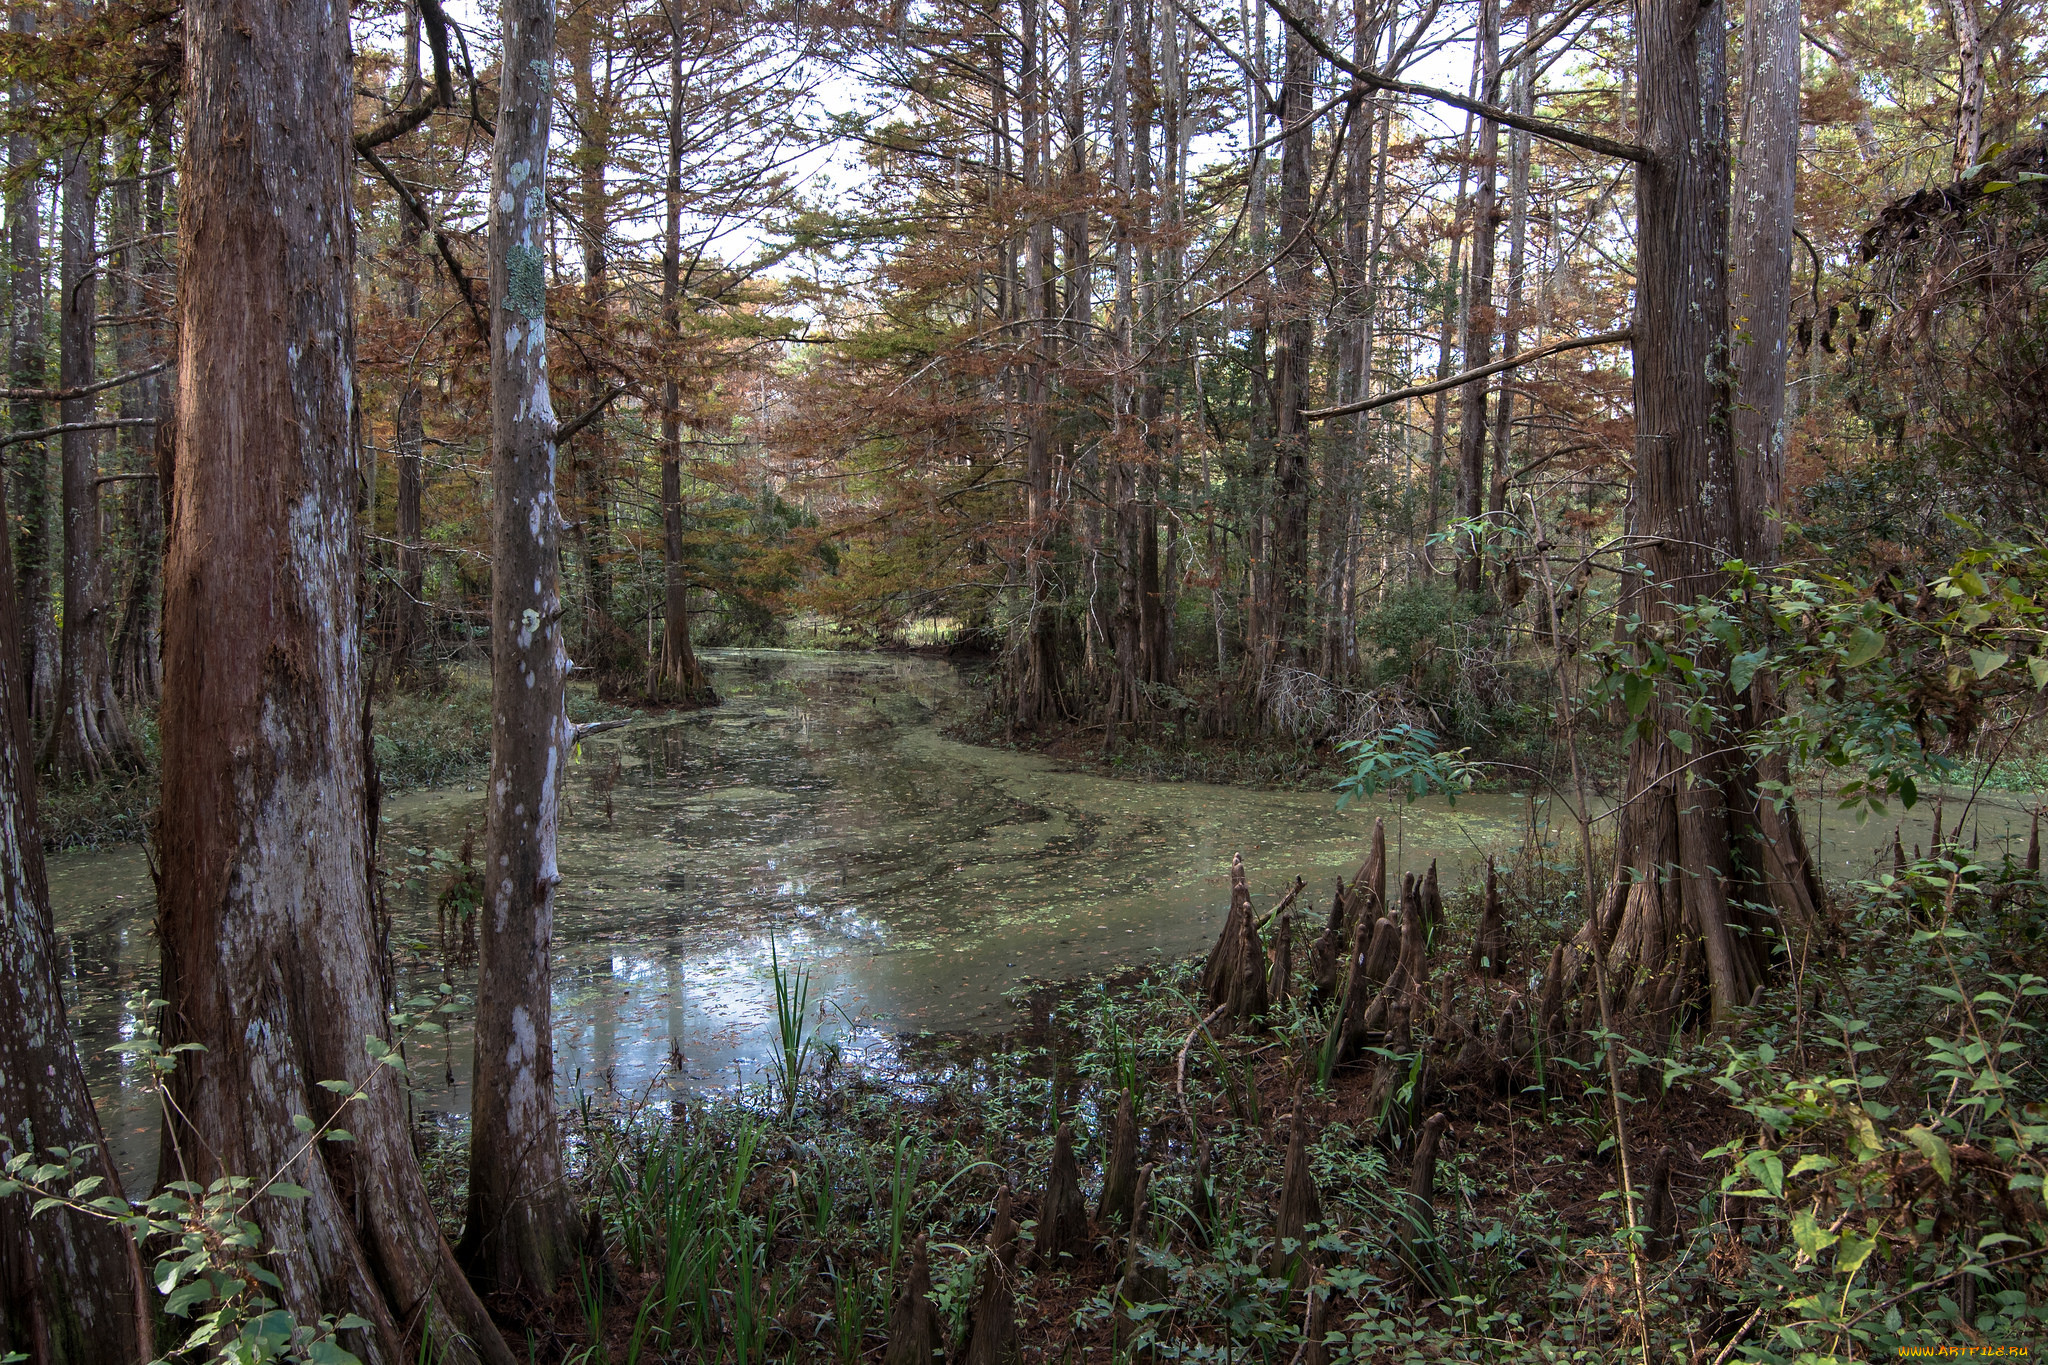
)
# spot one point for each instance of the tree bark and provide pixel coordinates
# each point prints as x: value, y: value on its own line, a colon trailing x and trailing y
x: 1761, y: 328
x: 72, y: 1291
x: 88, y: 735
x: 1969, y: 29
x: 1479, y: 316
x: 1687, y: 935
x: 1287, y: 542
x: 520, y: 1225
x: 1040, y: 696
x: 679, y: 676
x: 605, y: 646
x: 1761, y: 248
x: 264, y: 841
x: 135, y: 642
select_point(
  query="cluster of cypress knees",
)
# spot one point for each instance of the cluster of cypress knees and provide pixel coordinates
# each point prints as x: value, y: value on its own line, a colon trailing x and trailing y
x: 1372, y: 961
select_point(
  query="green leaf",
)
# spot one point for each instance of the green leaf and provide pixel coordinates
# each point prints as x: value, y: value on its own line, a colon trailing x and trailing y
x: 1770, y: 1171
x: 1813, y: 1239
x: 2037, y: 669
x: 302, y: 1123
x: 337, y: 1087
x: 1854, y: 1252
x: 1743, y: 669
x: 1988, y: 661
x: 1864, y: 645
x: 1935, y: 1148
x: 284, y: 1189
x: 1636, y: 692
x: 187, y: 1295
x: 340, y: 1135
x: 1681, y: 741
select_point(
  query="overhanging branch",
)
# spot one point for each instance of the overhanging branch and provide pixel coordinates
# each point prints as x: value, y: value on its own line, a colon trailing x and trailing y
x: 1469, y: 376
x: 1547, y: 129
x: 62, y: 395
x: 565, y: 430
x: 402, y: 121
x: 441, y: 247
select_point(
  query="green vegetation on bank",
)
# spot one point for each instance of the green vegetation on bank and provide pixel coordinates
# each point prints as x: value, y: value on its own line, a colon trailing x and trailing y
x: 428, y: 737
x: 1855, y: 1169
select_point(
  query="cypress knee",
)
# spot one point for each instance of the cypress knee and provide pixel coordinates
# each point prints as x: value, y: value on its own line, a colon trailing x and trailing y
x: 1326, y: 957
x: 1282, y: 958
x: 1120, y: 1172
x: 1417, y: 1227
x: 1203, y: 1202
x: 1662, y: 1211
x: 1490, y: 951
x: 1062, y: 1216
x: 916, y: 1333
x: 1432, y: 898
x: 1299, y: 1204
x: 992, y: 1318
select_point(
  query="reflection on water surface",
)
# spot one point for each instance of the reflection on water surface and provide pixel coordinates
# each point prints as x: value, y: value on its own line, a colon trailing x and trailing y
x: 921, y: 879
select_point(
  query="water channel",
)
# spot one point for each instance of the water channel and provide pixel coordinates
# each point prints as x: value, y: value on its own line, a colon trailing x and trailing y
x: 821, y: 817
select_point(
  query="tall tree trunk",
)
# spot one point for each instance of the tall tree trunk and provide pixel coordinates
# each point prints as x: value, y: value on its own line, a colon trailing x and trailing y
x: 28, y: 467
x: 408, y: 610
x: 135, y: 656
x: 1766, y: 162
x: 88, y: 733
x: 1454, y: 305
x: 1524, y: 102
x: 1040, y: 696
x: 679, y: 676
x: 265, y: 837
x: 520, y: 1225
x: 1293, y: 357
x: 1969, y: 29
x: 605, y: 647
x: 1689, y: 931
x: 1479, y: 314
x: 1119, y: 454
x: 72, y: 1291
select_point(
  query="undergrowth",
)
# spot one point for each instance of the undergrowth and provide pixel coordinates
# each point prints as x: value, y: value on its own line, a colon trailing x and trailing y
x: 1854, y: 1171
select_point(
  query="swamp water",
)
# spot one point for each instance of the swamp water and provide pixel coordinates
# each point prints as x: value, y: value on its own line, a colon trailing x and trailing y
x: 820, y: 818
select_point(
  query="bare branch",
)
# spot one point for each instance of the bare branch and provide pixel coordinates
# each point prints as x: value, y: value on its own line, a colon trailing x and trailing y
x: 61, y: 395
x: 565, y: 430
x: 1540, y: 127
x: 1469, y: 376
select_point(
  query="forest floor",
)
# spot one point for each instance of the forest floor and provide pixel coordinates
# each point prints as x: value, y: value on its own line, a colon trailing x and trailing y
x: 791, y: 1219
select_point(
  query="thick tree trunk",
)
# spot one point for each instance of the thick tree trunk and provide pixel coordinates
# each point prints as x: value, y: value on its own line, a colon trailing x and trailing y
x: 264, y: 841
x: 1761, y: 326
x: 72, y: 1291
x: 678, y: 676
x: 88, y: 733
x: 1688, y: 933
x: 28, y: 471
x: 520, y: 1224
x: 1761, y: 249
